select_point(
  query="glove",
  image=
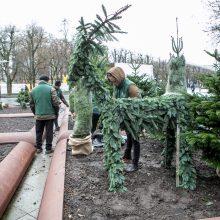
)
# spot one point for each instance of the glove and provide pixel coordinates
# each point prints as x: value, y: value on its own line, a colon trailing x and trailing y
x: 32, y: 109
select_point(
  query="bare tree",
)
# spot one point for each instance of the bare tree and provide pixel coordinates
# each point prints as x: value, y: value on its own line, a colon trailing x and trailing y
x: 8, y: 52
x: 66, y: 48
x: 55, y: 59
x: 160, y: 69
x: 34, y: 38
x: 127, y: 56
x: 214, y: 22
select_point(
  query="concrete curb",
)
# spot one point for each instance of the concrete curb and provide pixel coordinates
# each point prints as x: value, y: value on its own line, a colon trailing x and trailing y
x: 52, y: 201
x: 54, y: 188
x: 17, y: 115
x: 14, y: 166
x: 215, y: 218
x: 12, y: 170
x: 63, y: 134
x: 17, y: 137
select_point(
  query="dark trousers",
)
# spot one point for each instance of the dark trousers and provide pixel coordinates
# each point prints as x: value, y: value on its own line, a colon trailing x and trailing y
x: 48, y: 125
x: 136, y: 149
x: 56, y: 122
x: 95, y: 119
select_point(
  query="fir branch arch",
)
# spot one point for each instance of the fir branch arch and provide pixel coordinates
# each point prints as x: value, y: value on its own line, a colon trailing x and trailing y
x: 151, y: 114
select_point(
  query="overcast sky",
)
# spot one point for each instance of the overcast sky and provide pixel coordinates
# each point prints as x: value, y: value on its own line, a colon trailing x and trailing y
x: 149, y: 23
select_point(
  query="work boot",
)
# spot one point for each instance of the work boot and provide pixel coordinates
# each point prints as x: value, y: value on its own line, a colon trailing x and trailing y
x: 97, y: 140
x: 49, y: 151
x: 131, y: 168
x: 97, y: 143
x: 39, y: 150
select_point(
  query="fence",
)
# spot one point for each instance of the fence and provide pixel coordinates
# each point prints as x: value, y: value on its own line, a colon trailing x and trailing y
x: 17, y: 87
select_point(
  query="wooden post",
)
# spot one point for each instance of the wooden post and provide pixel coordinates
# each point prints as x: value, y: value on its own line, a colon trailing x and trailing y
x: 177, y: 152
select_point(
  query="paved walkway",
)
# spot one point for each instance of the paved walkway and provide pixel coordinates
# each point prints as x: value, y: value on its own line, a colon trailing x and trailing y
x: 26, y: 201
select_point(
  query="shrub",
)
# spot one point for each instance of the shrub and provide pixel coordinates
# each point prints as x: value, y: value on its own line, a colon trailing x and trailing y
x: 23, y: 97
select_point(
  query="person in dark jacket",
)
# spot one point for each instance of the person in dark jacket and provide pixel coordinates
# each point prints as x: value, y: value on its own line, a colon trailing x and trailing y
x: 44, y: 104
x: 95, y: 115
x: 97, y: 136
x: 62, y: 98
x: 124, y: 88
x: 192, y: 86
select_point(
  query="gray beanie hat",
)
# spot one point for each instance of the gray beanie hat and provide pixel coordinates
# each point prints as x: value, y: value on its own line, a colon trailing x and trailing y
x: 44, y: 77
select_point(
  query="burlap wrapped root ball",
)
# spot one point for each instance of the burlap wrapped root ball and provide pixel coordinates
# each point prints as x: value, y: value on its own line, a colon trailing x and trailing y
x: 80, y: 139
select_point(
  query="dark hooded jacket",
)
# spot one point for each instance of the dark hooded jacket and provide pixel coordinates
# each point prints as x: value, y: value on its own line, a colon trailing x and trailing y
x: 126, y: 88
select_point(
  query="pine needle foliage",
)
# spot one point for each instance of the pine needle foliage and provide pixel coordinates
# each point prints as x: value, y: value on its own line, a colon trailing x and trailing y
x: 205, y: 112
x: 23, y: 97
x: 176, y: 76
x: 149, y: 87
x: 89, y: 42
x: 176, y: 85
x: 150, y: 115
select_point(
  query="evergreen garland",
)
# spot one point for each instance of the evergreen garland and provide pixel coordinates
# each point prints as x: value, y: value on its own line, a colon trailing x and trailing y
x: 132, y: 114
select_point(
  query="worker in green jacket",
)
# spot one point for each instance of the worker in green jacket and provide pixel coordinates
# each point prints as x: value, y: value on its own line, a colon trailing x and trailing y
x: 124, y: 88
x: 44, y: 104
x: 62, y: 99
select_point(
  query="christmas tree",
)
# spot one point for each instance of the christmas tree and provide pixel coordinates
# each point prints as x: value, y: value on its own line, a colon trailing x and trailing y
x: 205, y: 110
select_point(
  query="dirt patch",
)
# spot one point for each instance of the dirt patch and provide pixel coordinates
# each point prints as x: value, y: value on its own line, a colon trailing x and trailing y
x: 151, y: 191
x: 15, y: 109
x: 13, y: 125
x: 16, y: 124
x: 5, y: 149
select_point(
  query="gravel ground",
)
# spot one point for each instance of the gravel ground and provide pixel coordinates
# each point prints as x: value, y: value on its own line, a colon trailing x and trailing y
x: 151, y: 191
x: 16, y: 109
x: 16, y: 124
x: 5, y: 150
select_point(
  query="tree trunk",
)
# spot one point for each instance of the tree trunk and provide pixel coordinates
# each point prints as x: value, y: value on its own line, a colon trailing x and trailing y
x: 83, y: 111
x: 9, y: 86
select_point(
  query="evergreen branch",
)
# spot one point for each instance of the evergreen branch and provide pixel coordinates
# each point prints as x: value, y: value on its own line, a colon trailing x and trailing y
x: 104, y: 10
x: 216, y: 55
x: 109, y: 18
x: 178, y: 45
